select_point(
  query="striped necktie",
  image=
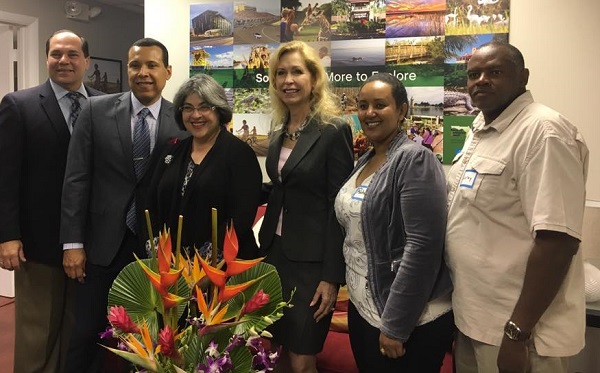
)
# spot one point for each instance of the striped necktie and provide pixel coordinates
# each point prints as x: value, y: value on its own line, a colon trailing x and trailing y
x: 75, y: 107
x: 141, y: 157
x: 141, y: 143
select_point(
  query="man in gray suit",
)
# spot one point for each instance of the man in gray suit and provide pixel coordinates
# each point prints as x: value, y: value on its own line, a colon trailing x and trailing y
x: 35, y: 127
x: 105, y: 184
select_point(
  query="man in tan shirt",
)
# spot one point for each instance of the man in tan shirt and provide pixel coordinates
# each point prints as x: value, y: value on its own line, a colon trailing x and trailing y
x: 516, y: 200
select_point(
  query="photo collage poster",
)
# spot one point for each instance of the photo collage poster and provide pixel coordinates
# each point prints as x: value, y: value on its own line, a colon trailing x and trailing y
x: 424, y: 43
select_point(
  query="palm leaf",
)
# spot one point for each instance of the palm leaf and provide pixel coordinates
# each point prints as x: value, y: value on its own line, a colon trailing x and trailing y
x: 270, y: 283
x: 132, y: 290
x: 242, y: 358
x: 135, y: 359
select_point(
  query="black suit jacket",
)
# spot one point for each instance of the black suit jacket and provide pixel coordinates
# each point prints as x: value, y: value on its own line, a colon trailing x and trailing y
x: 100, y: 180
x: 34, y: 139
x: 310, y: 179
x: 228, y: 179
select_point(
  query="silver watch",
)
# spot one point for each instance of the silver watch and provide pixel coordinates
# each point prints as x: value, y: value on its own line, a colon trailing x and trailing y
x: 513, y: 332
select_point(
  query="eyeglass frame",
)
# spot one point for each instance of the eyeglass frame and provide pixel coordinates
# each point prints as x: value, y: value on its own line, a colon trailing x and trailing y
x: 190, y: 109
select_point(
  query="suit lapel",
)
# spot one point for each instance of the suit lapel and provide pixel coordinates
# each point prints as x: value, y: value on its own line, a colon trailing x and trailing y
x: 55, y: 115
x: 273, y: 155
x: 123, y: 121
x: 309, y: 136
x: 165, y: 117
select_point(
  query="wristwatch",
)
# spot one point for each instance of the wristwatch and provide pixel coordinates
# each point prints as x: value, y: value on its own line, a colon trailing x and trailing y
x: 513, y: 332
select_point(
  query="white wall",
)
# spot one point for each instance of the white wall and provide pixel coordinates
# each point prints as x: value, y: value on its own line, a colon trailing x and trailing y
x: 109, y: 35
x: 560, y: 43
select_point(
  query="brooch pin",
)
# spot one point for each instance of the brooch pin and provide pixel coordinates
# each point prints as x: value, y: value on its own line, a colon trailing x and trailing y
x: 168, y: 159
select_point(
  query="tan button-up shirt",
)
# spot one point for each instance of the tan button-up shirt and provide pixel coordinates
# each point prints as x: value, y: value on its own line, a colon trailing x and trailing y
x: 523, y: 172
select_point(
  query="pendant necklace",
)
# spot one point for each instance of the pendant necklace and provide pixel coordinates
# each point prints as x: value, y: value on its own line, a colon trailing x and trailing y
x: 296, y: 134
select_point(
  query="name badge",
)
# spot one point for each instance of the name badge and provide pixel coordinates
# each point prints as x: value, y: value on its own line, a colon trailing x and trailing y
x: 359, y: 193
x: 469, y: 179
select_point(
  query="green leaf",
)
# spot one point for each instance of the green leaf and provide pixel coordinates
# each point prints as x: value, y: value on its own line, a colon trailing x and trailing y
x: 132, y: 290
x: 242, y: 359
x: 270, y: 283
x: 135, y: 359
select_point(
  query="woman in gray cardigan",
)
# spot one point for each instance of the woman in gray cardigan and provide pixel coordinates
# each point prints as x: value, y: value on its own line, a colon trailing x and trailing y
x: 393, y: 211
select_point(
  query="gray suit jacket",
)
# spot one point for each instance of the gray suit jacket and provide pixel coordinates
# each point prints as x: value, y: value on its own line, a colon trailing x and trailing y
x: 310, y: 179
x: 34, y: 139
x: 100, y: 180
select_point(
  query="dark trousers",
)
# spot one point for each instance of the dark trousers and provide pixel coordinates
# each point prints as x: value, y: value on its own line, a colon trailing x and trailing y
x: 91, y: 301
x: 425, y: 349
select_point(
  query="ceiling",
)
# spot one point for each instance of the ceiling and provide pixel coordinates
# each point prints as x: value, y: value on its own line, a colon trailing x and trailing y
x: 130, y: 5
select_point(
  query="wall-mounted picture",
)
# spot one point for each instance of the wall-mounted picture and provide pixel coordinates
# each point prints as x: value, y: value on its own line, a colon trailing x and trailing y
x: 256, y: 21
x: 353, y: 53
x: 414, y: 51
x: 468, y: 17
x: 358, y: 19
x: 415, y: 18
x: 211, y: 24
x: 104, y: 74
x: 214, y: 60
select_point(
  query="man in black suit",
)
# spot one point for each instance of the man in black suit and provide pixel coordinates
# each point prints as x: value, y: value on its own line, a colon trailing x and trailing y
x: 106, y: 179
x: 35, y: 126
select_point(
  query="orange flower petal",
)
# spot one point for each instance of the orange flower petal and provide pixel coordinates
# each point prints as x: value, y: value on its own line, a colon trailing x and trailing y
x: 216, y: 276
x: 169, y: 278
x: 164, y: 252
x: 152, y: 276
x: 230, y: 245
x: 136, y: 347
x: 231, y: 291
x: 197, y: 271
x: 218, y: 318
x: 145, y: 332
x: 239, y: 266
x: 171, y: 300
x: 202, y: 303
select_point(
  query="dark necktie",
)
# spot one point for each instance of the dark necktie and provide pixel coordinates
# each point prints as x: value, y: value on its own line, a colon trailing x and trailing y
x: 75, y: 107
x: 141, y: 156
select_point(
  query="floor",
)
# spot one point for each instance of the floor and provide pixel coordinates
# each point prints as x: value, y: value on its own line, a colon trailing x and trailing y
x: 7, y: 333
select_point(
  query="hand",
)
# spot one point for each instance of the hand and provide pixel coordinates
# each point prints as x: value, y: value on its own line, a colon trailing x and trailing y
x: 327, y: 292
x: 74, y: 264
x: 390, y: 347
x: 11, y: 255
x: 513, y: 356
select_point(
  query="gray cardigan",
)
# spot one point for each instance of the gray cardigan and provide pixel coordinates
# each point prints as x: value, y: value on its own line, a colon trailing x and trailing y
x: 404, y: 224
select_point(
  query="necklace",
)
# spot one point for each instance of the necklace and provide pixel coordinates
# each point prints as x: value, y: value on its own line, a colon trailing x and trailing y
x: 296, y: 134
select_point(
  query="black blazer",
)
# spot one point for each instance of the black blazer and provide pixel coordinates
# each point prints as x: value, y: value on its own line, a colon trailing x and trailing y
x: 34, y: 139
x: 228, y: 179
x: 310, y: 179
x: 100, y: 179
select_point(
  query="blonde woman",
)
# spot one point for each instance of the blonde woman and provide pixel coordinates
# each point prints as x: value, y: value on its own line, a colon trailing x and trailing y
x: 309, y: 157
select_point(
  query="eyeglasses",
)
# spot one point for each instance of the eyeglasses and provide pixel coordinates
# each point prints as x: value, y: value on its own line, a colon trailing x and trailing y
x: 202, y: 109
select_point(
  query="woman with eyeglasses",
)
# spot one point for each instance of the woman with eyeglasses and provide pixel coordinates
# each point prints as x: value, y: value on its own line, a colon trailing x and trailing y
x: 211, y: 168
x: 393, y: 211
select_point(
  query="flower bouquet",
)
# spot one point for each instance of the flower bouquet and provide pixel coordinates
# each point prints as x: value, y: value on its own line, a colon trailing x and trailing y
x: 228, y: 305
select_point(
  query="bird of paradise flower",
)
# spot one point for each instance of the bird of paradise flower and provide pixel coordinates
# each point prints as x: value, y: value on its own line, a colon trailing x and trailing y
x: 243, y: 299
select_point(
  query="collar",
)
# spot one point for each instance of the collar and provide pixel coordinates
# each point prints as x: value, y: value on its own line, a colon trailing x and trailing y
x: 136, y: 106
x: 60, y: 92
x: 506, y: 117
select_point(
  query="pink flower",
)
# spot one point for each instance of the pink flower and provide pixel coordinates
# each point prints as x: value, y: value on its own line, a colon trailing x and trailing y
x: 259, y: 299
x: 166, y: 341
x: 120, y: 319
x: 173, y: 140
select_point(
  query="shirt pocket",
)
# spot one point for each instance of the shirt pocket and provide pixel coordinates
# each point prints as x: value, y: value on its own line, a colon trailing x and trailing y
x: 482, y: 180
